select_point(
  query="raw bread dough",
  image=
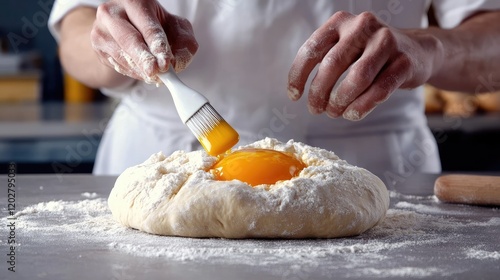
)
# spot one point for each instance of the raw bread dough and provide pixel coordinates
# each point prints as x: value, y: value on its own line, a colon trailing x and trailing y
x: 177, y: 195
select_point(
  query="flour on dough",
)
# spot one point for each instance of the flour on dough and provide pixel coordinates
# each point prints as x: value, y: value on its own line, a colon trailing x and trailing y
x: 177, y: 195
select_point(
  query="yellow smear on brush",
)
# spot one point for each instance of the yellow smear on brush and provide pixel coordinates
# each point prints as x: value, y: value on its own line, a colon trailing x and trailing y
x: 219, y: 139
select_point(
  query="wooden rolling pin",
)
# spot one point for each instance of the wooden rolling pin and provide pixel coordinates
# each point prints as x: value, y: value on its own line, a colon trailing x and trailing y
x: 468, y: 189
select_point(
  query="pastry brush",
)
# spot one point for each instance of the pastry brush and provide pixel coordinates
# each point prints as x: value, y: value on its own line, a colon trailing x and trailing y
x: 214, y: 133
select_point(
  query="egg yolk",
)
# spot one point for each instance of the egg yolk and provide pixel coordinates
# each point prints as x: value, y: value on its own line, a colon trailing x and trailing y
x: 257, y: 166
x: 219, y: 139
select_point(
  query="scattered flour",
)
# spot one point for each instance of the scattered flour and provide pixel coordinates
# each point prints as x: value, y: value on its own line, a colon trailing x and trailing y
x: 422, y: 208
x: 416, y: 272
x: 391, y: 249
x: 90, y: 195
x: 482, y: 254
x: 380, y: 252
x: 393, y: 194
x: 491, y: 222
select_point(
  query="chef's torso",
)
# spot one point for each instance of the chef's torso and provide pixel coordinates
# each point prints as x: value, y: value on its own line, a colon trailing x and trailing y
x: 246, y: 50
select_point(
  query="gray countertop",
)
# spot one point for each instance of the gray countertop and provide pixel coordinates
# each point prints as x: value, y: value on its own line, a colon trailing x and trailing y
x: 64, y: 231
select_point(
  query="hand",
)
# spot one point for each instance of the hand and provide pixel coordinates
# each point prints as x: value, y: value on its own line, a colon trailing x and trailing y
x: 140, y: 39
x: 382, y: 59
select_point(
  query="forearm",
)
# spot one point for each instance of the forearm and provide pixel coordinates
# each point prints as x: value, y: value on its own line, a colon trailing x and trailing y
x: 77, y: 55
x: 470, y: 55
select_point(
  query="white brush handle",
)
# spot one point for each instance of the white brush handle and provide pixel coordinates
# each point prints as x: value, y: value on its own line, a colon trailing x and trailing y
x: 186, y: 100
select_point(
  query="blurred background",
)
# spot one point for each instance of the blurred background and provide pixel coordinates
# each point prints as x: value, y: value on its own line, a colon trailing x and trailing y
x: 50, y: 123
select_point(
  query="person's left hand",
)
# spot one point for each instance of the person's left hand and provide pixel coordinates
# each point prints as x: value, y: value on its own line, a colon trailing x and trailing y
x: 381, y: 60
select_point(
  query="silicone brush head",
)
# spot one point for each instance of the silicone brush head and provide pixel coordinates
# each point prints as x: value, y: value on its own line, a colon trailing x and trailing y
x: 214, y: 133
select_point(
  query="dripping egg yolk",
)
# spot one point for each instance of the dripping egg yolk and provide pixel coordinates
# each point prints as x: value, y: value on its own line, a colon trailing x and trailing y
x: 257, y: 166
x: 219, y: 139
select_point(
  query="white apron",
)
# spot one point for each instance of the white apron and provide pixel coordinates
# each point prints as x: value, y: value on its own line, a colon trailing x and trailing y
x: 246, y: 50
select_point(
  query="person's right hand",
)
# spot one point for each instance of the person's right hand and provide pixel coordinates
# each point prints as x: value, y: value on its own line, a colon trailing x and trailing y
x: 141, y: 39
x: 377, y: 59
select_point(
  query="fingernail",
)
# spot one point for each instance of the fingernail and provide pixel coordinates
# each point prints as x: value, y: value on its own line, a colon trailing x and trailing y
x: 182, y: 59
x: 115, y: 65
x: 162, y: 62
x: 148, y: 63
x: 149, y: 80
x: 352, y: 115
x: 293, y: 93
